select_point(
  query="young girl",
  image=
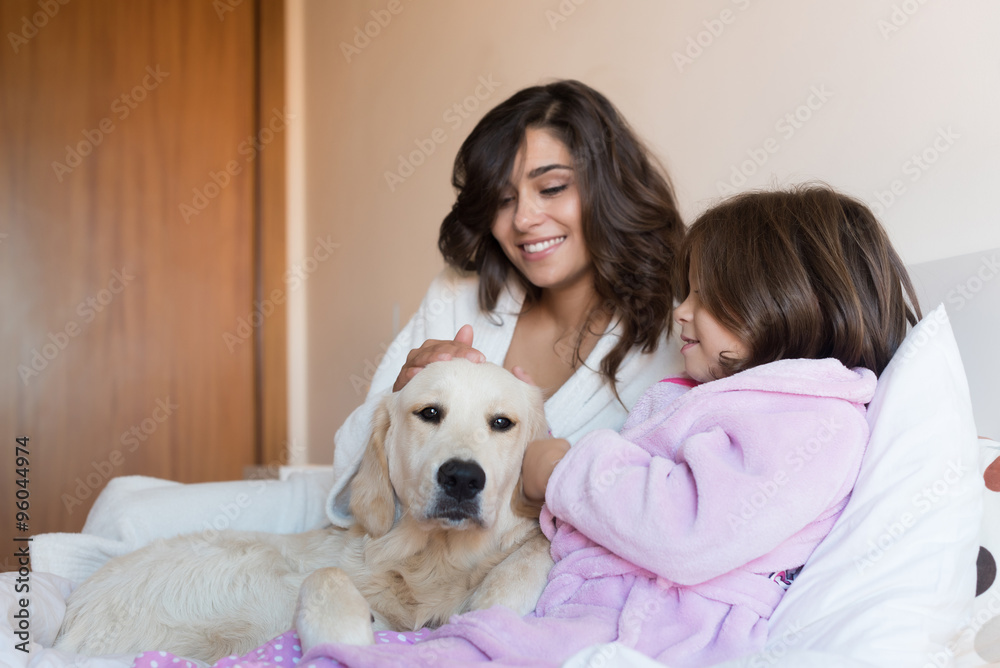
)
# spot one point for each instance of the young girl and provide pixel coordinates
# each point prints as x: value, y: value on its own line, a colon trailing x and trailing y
x: 677, y: 535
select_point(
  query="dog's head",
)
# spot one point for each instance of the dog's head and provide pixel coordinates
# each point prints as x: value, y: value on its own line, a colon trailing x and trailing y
x: 448, y: 447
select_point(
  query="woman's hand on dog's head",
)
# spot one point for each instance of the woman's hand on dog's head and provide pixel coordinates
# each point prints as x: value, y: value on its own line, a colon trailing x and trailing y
x: 434, y: 350
x: 540, y: 459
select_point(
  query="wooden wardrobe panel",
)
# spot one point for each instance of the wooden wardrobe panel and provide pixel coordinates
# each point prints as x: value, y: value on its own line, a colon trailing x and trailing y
x: 271, y: 248
x: 127, y: 193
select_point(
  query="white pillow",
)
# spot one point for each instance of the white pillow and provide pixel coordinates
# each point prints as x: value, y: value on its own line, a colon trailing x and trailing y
x: 893, y: 583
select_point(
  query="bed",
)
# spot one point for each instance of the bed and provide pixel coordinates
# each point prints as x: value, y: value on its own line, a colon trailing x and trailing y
x: 906, y: 577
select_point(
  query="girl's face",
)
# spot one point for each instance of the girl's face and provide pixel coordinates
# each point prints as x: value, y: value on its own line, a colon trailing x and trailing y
x: 704, y: 339
x: 539, y: 222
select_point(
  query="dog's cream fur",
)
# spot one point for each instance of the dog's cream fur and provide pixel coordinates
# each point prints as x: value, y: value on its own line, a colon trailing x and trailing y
x: 428, y: 542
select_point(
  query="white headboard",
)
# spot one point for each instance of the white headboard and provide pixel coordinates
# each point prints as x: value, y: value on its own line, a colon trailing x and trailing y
x: 969, y: 287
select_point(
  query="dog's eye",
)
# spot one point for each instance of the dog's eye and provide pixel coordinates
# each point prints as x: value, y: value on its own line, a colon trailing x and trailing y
x: 430, y: 414
x: 501, y: 423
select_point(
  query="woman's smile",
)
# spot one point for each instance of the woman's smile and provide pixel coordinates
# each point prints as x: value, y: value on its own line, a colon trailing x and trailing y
x: 535, y: 250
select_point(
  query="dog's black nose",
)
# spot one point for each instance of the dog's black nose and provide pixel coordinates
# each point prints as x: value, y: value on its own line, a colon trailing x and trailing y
x: 461, y: 480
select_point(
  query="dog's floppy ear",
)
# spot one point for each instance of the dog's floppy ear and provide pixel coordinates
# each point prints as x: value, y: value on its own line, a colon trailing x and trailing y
x: 373, y: 501
x: 522, y: 507
x: 537, y: 428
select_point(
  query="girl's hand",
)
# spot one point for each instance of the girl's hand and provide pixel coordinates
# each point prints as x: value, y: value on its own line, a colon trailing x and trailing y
x: 433, y: 350
x: 540, y: 459
x: 522, y: 375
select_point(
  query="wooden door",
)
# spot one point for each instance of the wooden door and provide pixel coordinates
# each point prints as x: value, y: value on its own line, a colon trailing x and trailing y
x: 134, y: 136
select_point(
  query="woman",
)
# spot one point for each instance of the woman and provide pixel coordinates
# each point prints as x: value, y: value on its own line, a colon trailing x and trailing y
x: 560, y: 247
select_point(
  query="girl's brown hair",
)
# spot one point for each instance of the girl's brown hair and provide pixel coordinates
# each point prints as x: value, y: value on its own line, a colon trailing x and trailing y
x: 629, y: 217
x: 801, y: 273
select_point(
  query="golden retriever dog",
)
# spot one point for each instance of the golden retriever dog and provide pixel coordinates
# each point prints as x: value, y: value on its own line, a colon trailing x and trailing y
x: 440, y: 529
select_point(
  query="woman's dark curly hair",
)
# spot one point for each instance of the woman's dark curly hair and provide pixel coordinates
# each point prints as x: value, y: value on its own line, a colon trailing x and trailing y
x: 630, y: 221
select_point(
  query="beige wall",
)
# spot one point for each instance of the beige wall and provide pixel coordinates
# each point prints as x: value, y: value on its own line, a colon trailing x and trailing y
x: 873, y: 83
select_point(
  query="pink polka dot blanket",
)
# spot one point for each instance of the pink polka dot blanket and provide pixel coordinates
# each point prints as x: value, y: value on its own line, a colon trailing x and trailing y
x: 281, y: 652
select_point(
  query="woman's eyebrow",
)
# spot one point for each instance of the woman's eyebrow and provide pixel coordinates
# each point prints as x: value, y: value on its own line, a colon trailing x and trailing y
x: 538, y: 171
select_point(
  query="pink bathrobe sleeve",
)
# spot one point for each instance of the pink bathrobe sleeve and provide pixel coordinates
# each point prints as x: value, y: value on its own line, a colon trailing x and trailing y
x: 742, y: 466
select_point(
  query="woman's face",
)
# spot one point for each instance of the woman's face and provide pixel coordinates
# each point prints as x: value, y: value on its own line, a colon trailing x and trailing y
x: 538, y: 224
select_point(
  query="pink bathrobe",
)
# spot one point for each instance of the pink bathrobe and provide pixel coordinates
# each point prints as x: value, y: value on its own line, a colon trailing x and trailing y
x: 664, y: 535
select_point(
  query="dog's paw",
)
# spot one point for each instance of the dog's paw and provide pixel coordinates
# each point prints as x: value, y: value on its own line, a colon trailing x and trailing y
x: 332, y: 610
x: 516, y: 582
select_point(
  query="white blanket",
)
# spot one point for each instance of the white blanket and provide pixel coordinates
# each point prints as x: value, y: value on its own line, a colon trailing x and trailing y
x: 27, y: 637
x: 135, y: 510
